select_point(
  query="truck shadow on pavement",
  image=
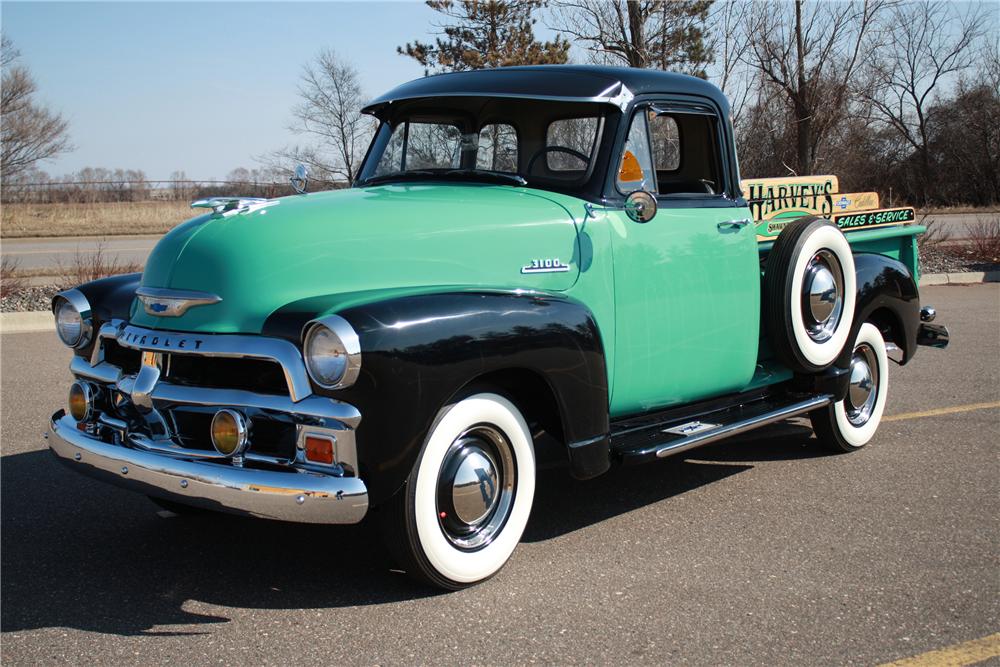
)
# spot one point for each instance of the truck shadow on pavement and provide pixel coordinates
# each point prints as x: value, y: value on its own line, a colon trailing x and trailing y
x: 84, y: 555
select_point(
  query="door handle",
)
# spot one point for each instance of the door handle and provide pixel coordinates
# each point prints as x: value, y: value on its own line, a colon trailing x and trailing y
x: 734, y: 224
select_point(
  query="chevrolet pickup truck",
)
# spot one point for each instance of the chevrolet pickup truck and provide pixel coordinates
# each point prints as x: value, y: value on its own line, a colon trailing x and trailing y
x: 533, y: 266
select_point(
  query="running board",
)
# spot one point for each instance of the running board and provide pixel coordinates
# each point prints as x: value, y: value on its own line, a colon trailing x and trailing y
x: 657, y: 441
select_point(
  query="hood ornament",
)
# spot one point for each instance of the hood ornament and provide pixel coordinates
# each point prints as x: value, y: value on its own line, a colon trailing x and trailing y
x: 171, y: 302
x: 300, y: 179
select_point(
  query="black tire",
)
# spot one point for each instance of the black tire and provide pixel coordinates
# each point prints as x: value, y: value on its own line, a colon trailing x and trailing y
x: 809, y: 253
x: 848, y: 425
x: 423, y: 526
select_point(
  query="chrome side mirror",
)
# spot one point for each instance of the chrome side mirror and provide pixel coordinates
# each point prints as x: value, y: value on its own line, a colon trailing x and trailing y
x: 640, y: 206
x: 300, y: 179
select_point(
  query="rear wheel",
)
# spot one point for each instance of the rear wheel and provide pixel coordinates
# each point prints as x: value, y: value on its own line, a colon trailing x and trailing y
x: 467, y: 500
x: 849, y: 424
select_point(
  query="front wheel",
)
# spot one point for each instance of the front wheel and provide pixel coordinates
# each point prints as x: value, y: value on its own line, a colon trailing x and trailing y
x: 849, y: 424
x: 467, y: 500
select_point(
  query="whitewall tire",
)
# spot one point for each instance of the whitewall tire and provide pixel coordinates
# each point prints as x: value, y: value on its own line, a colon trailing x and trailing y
x: 850, y: 424
x: 468, y: 498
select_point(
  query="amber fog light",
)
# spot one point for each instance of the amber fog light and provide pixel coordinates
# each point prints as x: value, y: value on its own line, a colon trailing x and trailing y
x: 229, y: 432
x: 319, y: 449
x: 81, y: 401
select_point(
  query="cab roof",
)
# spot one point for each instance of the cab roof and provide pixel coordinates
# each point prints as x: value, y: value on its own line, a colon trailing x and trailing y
x: 567, y: 83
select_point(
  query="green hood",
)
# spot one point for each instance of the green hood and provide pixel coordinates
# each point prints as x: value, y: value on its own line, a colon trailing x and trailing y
x: 396, y: 236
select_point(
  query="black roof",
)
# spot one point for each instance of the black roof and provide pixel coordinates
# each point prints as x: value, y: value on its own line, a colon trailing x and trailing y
x: 590, y: 83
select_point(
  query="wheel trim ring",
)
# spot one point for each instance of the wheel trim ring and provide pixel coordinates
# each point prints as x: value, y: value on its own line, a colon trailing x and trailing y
x: 480, y: 533
x: 865, y: 362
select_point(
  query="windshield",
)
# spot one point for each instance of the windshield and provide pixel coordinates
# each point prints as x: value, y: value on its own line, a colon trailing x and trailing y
x: 519, y: 142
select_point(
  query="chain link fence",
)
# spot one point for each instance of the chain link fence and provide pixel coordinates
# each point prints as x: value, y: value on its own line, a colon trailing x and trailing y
x: 92, y: 192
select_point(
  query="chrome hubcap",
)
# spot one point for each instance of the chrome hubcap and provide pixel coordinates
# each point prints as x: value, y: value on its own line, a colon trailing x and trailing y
x: 474, y: 490
x: 822, y: 295
x: 863, y: 392
x: 476, y: 487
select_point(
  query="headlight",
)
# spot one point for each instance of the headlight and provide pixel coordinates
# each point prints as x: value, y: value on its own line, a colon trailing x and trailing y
x: 72, y: 313
x: 332, y: 352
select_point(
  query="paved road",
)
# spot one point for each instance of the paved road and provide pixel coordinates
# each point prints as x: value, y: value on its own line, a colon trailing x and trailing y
x: 763, y: 551
x: 47, y: 253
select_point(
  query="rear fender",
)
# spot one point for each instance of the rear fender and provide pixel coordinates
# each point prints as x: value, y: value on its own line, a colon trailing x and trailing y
x: 885, y: 286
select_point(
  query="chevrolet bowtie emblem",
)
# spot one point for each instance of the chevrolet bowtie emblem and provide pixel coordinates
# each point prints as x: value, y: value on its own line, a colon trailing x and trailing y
x: 172, y: 303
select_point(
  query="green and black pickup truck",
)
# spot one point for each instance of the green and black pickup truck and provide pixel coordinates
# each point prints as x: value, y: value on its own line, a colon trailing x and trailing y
x: 533, y: 266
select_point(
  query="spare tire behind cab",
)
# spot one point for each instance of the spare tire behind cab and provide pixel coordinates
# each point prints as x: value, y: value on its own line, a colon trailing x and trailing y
x: 809, y: 294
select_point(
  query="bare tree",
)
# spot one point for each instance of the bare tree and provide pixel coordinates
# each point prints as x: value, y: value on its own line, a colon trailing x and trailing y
x: 728, y: 41
x: 936, y: 42
x: 29, y: 132
x: 811, y: 53
x: 665, y: 34
x: 329, y: 115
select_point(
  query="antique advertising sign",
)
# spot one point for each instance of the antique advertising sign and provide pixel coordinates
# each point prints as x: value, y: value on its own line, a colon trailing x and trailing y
x: 774, y: 202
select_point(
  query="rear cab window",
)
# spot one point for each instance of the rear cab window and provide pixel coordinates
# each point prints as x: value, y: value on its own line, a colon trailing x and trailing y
x: 497, y: 148
x: 570, y: 144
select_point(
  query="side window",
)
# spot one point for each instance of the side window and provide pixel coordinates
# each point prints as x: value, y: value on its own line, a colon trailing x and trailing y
x: 576, y: 134
x: 391, y: 161
x: 635, y: 171
x: 497, y: 148
x: 686, y: 152
x: 666, y: 141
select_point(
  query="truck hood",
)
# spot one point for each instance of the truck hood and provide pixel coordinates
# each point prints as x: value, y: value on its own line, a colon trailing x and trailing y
x: 393, y: 236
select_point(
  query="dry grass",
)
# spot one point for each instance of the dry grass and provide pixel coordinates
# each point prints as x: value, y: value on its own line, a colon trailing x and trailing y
x: 935, y: 235
x: 87, y: 266
x: 110, y: 219
x: 11, y: 279
x: 984, y: 239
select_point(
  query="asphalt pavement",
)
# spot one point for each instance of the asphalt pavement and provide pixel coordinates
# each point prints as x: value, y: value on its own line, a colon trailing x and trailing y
x: 48, y: 253
x: 758, y: 551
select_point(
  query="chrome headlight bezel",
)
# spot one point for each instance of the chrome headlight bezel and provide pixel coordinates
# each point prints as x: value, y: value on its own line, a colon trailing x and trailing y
x: 74, y: 298
x: 345, y: 338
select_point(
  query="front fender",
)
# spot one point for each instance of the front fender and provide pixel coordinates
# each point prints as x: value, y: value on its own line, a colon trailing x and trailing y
x: 110, y: 299
x: 420, y: 350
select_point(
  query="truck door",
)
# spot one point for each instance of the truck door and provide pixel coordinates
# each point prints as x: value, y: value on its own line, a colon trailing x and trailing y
x: 687, y: 283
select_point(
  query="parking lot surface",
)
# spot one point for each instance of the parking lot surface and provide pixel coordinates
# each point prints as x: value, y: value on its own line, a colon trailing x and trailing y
x: 758, y: 551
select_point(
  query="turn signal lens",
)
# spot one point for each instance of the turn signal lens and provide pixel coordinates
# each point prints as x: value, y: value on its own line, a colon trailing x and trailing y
x: 229, y: 432
x: 80, y: 401
x: 319, y: 450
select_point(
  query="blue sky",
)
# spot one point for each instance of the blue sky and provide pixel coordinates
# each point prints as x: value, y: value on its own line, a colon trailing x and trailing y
x: 199, y: 87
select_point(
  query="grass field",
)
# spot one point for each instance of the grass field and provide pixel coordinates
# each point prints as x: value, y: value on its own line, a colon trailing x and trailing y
x: 112, y: 219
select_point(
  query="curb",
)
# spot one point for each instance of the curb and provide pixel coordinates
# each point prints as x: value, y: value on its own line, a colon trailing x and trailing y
x: 42, y: 320
x: 39, y: 320
x: 967, y: 278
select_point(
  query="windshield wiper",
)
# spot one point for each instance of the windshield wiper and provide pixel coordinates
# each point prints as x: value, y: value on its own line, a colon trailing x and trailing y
x: 416, y: 174
x: 420, y: 174
x: 488, y: 174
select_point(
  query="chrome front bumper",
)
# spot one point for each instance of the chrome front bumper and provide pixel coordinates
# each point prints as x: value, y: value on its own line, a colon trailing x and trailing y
x: 296, y: 495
